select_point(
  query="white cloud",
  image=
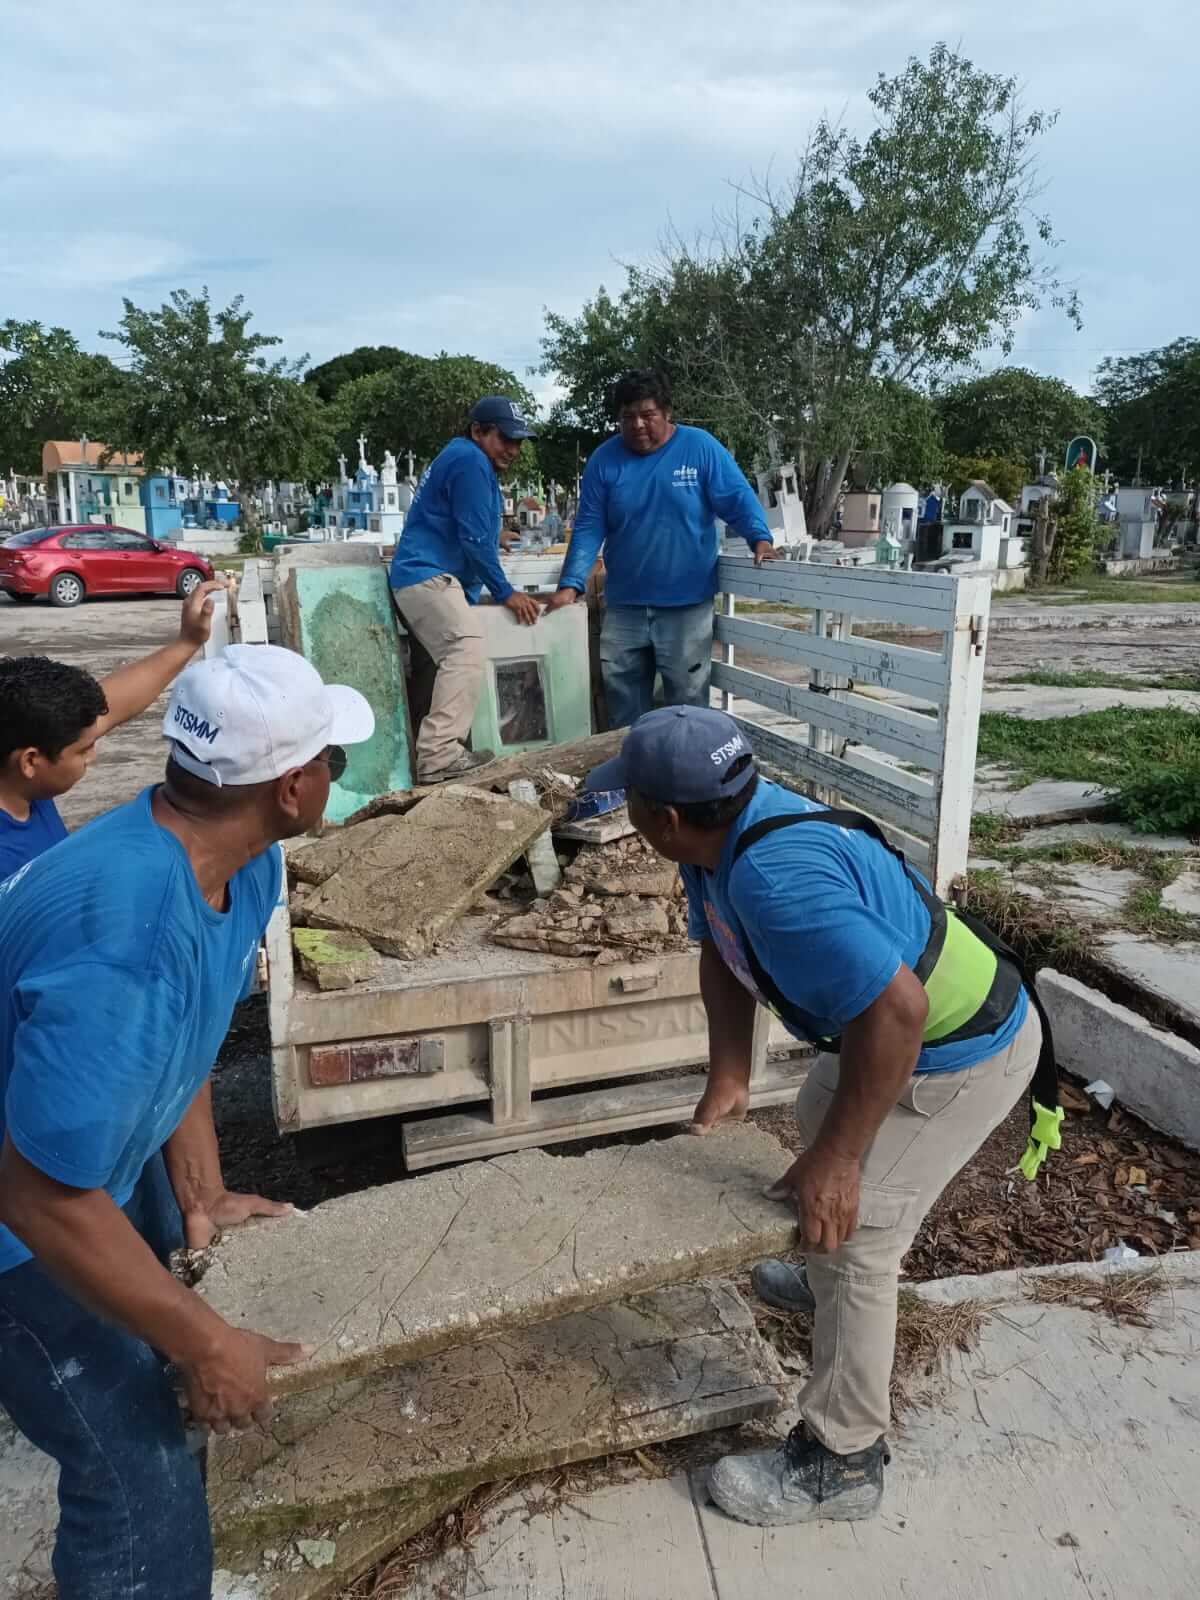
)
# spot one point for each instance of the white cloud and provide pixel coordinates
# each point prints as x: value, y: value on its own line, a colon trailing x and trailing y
x: 435, y: 174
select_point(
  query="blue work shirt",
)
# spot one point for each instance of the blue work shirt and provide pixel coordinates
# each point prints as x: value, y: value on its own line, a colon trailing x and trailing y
x: 22, y: 841
x: 831, y: 916
x: 117, y: 984
x: 453, y: 525
x: 656, y: 516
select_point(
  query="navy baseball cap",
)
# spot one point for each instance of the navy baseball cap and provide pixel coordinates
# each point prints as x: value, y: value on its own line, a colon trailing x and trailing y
x: 678, y: 755
x: 497, y: 411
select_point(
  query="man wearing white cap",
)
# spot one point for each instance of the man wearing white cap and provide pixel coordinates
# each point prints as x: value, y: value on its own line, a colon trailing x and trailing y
x: 122, y: 954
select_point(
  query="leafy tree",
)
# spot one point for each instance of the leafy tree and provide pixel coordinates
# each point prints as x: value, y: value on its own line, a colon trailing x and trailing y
x: 1152, y: 408
x: 1016, y: 413
x: 888, y: 260
x: 1077, y: 526
x: 200, y: 392
x: 329, y: 377
x: 49, y: 389
x: 422, y: 405
x: 908, y: 445
x: 1006, y: 477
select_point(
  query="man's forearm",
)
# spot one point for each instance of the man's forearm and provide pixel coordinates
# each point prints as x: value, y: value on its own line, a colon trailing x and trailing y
x: 729, y: 1007
x: 878, y: 1055
x: 88, y: 1245
x: 192, y: 1156
x: 131, y: 689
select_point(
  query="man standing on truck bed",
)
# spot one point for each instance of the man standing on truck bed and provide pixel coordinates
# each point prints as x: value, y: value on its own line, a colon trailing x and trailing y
x: 651, y: 496
x: 448, y: 552
x: 931, y: 1039
x: 123, y: 951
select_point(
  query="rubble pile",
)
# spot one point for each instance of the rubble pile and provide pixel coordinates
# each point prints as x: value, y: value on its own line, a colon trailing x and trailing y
x: 616, y: 900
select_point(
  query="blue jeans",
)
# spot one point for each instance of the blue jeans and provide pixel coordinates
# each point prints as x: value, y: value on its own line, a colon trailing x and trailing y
x: 636, y: 642
x: 133, y: 1517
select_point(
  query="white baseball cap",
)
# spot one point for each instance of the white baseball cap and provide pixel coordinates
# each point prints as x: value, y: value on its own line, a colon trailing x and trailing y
x: 257, y: 711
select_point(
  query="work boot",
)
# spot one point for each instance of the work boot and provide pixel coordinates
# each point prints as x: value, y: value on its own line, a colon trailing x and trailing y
x: 461, y: 767
x: 801, y: 1481
x: 783, y: 1286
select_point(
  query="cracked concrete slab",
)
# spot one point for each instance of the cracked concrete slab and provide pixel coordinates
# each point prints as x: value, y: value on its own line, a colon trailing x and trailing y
x: 668, y: 1364
x: 1108, y: 833
x: 392, y: 1274
x: 1037, y: 703
x: 1165, y: 972
x: 402, y: 881
x: 1048, y: 800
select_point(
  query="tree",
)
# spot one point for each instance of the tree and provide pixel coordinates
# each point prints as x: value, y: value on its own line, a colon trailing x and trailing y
x: 422, y: 405
x: 1016, y: 413
x: 1152, y: 412
x: 49, y: 389
x: 888, y: 260
x: 200, y: 392
x: 1066, y: 530
x: 1006, y: 477
x: 908, y: 445
x: 329, y: 377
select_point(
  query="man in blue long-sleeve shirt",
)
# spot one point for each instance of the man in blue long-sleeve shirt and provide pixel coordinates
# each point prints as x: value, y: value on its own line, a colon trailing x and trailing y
x: 448, y: 552
x: 651, y: 496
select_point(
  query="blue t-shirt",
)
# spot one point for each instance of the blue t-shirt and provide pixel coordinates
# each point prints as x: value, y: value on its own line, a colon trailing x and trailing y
x: 656, y: 518
x: 117, y: 984
x: 453, y: 525
x: 831, y: 916
x: 22, y: 841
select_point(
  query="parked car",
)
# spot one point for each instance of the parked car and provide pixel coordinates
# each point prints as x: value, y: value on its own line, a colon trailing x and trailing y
x: 67, y: 562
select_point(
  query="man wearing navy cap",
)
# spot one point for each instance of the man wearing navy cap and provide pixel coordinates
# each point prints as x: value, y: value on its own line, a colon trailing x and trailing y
x: 930, y: 1040
x: 448, y: 552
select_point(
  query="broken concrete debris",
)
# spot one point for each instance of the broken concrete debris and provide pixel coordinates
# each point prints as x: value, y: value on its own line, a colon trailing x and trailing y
x: 616, y: 898
x: 332, y: 958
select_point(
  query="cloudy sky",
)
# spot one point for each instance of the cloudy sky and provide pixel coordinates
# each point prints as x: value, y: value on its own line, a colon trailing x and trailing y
x: 434, y: 175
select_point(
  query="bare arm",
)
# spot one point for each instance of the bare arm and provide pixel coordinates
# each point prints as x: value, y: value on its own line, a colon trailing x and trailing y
x: 729, y: 1007
x: 131, y: 689
x: 194, y: 1168
x: 88, y: 1245
x: 879, y: 1052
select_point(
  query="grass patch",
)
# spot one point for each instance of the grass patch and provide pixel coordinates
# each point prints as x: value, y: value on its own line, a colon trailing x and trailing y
x: 1045, y: 679
x: 1145, y: 913
x: 1048, y: 934
x: 1126, y: 1297
x: 1098, y: 588
x: 1151, y: 759
x: 1158, y: 867
x: 993, y: 828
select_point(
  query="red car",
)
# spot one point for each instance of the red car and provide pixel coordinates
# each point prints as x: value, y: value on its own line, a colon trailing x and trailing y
x: 68, y: 562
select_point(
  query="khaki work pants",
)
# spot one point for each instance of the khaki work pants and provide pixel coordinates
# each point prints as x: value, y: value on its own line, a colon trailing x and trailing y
x: 939, y: 1123
x: 437, y: 611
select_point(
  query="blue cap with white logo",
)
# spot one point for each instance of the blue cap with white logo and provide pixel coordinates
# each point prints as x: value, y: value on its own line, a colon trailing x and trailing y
x: 679, y: 755
x: 497, y: 411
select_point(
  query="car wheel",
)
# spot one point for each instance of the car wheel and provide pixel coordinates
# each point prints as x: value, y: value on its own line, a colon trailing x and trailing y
x: 66, y: 590
x: 188, y: 580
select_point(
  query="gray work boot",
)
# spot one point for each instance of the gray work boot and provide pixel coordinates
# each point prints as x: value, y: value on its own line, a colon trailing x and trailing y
x: 783, y: 1286
x: 801, y: 1481
x: 461, y: 767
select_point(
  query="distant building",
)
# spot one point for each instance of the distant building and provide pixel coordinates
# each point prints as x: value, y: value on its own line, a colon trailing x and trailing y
x: 371, y: 505
x: 80, y: 489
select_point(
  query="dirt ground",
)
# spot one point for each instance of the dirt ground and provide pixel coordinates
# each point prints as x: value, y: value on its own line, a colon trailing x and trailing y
x: 1090, y: 1196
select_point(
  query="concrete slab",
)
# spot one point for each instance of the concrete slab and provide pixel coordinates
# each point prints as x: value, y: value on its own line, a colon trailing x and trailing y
x: 1107, y: 833
x: 1155, y: 1073
x: 1036, y: 703
x: 415, y: 875
x: 1184, y: 894
x: 1048, y: 800
x: 1096, y: 893
x: 671, y: 1363
x: 396, y: 1273
x: 1057, y: 1466
x: 1166, y: 972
